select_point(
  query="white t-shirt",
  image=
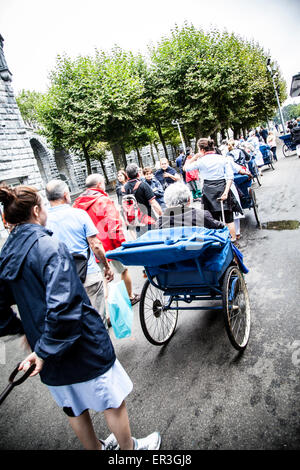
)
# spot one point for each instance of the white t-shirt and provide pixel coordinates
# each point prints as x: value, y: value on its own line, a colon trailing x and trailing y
x: 212, y: 167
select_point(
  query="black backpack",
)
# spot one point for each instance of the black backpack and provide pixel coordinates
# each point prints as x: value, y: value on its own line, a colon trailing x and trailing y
x: 81, y: 263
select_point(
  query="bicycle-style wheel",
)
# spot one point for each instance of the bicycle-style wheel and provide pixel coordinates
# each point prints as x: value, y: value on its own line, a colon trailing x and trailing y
x: 287, y: 151
x: 236, y: 308
x: 256, y: 174
x: 158, y: 322
x: 271, y: 161
x: 255, y: 207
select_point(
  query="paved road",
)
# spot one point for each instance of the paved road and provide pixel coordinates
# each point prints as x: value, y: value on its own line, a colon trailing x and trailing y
x: 198, y: 391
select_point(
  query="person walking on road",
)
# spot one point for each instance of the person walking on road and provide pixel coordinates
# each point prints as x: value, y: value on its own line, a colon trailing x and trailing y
x: 218, y: 176
x: 271, y: 142
x: 145, y: 197
x: 122, y: 178
x: 166, y: 175
x: 106, y: 217
x: 76, y: 229
x: 154, y: 185
x: 192, y: 177
x: 179, y: 164
x: 295, y: 133
x: 71, y: 349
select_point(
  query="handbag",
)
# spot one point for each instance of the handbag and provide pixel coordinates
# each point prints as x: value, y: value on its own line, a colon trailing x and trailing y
x: 120, y: 310
x: 81, y: 263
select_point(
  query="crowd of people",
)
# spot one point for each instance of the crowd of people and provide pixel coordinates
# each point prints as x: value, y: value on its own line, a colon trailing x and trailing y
x: 207, y: 175
x: 64, y: 315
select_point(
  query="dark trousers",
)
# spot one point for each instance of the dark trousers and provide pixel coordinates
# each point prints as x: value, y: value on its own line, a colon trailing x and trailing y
x: 273, y: 150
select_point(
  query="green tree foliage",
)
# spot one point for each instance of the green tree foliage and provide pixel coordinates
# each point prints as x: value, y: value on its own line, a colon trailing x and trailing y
x: 213, y: 80
x: 291, y: 111
x: 209, y: 81
x: 67, y: 110
x: 93, y: 99
x: 121, y: 100
x: 28, y: 102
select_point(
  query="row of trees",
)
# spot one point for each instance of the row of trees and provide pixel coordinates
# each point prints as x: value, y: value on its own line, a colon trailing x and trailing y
x: 209, y: 81
x: 290, y: 111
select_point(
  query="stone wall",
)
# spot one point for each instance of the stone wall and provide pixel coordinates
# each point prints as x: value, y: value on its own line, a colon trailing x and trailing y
x: 17, y: 161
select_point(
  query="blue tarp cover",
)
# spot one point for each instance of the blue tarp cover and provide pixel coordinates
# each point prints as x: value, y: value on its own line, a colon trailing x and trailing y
x: 170, y: 245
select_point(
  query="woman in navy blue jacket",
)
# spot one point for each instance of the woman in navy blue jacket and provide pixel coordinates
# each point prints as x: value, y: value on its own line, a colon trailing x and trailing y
x: 71, y: 348
x: 155, y: 185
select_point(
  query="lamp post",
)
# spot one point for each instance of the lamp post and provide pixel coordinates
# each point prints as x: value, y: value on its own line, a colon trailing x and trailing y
x: 176, y: 123
x: 276, y: 94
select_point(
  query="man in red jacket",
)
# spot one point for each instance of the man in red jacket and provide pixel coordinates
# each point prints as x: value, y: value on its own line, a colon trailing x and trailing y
x: 106, y: 217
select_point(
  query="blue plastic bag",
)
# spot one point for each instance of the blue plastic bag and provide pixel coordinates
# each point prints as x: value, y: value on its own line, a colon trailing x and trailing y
x: 120, y: 309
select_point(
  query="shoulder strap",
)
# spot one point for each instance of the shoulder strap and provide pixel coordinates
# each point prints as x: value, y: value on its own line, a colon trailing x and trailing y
x: 134, y: 189
x: 136, y: 186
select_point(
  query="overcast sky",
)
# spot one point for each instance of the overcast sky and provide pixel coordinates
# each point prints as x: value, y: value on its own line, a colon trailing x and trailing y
x: 36, y: 31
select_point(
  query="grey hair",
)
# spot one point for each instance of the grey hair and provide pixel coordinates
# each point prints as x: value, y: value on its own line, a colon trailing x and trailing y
x: 55, y: 190
x: 177, y: 194
x: 132, y: 170
x: 93, y: 180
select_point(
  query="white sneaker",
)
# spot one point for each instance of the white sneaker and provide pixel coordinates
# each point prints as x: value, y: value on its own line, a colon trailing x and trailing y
x: 110, y: 443
x: 151, y: 442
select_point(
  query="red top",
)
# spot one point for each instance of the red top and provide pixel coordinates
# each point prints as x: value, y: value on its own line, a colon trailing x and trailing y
x: 191, y: 175
x: 104, y: 214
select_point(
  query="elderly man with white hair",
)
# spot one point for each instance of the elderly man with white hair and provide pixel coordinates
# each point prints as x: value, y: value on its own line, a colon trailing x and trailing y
x: 180, y: 212
x: 106, y: 217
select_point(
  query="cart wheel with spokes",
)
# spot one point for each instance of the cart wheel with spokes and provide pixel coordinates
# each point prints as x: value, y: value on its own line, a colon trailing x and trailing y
x: 158, y: 322
x: 287, y: 151
x: 255, y: 206
x: 271, y: 160
x: 256, y: 176
x: 236, y: 308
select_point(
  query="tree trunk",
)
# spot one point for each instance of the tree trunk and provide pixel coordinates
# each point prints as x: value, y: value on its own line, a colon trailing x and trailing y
x: 104, y: 170
x: 214, y: 136
x: 156, y: 148
x: 140, y: 160
x: 198, y: 134
x: 124, y: 157
x: 152, y: 154
x: 185, y: 137
x: 87, y: 159
x: 236, y: 133
x: 161, y: 137
x: 118, y: 155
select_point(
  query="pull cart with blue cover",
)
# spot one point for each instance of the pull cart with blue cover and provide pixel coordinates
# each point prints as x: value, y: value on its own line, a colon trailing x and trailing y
x: 289, y: 147
x: 185, y: 266
x: 247, y: 195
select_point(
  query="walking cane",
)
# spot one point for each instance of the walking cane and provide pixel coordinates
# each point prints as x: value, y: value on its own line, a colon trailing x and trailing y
x: 12, y: 383
x: 222, y: 209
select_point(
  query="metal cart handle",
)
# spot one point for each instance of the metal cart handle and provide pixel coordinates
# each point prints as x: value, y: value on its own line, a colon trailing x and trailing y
x: 12, y: 383
x: 222, y: 209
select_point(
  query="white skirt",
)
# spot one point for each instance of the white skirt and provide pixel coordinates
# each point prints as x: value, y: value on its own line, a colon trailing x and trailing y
x: 106, y: 391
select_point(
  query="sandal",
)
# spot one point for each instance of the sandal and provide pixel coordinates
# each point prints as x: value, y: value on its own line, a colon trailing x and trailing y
x: 135, y: 299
